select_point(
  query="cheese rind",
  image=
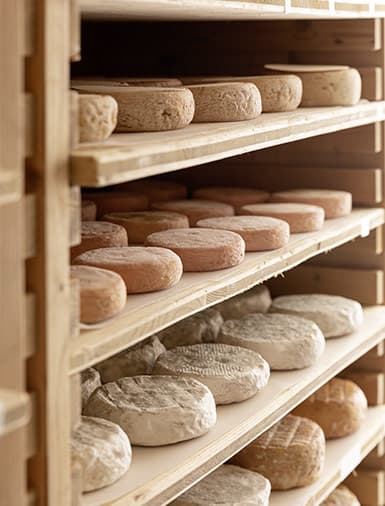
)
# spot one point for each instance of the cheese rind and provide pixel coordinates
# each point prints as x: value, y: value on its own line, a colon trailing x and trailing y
x: 89, y: 382
x: 88, y: 210
x: 157, y: 190
x: 98, y: 116
x: 256, y: 300
x: 99, y: 234
x: 234, y: 196
x: 341, y: 496
x: 118, y: 201
x: 195, y: 209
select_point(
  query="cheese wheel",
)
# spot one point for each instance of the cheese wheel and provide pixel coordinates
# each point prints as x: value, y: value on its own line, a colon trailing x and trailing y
x: 134, y: 361
x: 339, y: 407
x: 334, y: 203
x: 260, y: 233
x: 256, y: 300
x: 140, y: 224
x: 99, y: 234
x: 89, y: 382
x: 236, y: 197
x: 195, y: 210
x: 228, y: 486
x: 202, y: 327
x: 97, y: 117
x: 285, y: 341
x: 225, y: 102
x: 161, y: 82
x: 88, y: 210
x: 291, y: 454
x: 156, y: 410
x: 148, y: 109
x: 102, y: 450
x: 341, y: 496
x: 157, y: 191
x: 336, y: 316
x: 300, y: 217
x: 102, y: 293
x: 118, y: 201
x: 233, y: 374
x: 201, y: 249
x: 142, y: 269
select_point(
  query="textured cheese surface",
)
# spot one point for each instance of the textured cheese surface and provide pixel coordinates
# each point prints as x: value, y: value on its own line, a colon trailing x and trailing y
x: 233, y: 374
x: 156, y: 410
x: 195, y: 209
x: 98, y: 116
x: 256, y: 300
x: 116, y: 201
x: 341, y: 496
x: 157, y: 191
x: 134, y: 361
x: 335, y: 315
x: 99, y: 234
x: 90, y: 381
x: 103, y: 451
x: 202, y: 327
x: 290, y: 454
x: 228, y: 486
x: 285, y: 341
x: 234, y: 196
x: 202, y: 249
x: 88, y: 210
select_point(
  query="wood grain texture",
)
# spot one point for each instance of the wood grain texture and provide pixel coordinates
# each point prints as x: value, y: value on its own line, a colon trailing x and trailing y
x: 368, y: 486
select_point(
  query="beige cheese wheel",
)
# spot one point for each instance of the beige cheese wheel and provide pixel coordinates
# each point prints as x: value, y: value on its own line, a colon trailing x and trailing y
x: 202, y: 327
x: 118, y: 201
x: 89, y: 382
x: 336, y: 316
x: 99, y: 234
x: 339, y: 407
x: 142, y: 269
x: 234, y: 196
x: 341, y: 496
x: 157, y: 191
x: 134, y: 361
x: 196, y: 209
x: 291, y: 454
x: 156, y: 410
x: 335, y: 203
x: 201, y: 249
x: 228, y: 486
x: 88, y: 210
x: 148, y: 109
x: 225, y: 102
x: 162, y: 82
x: 260, y: 233
x: 256, y: 300
x: 102, y: 293
x: 285, y: 341
x: 140, y: 224
x: 300, y: 217
x: 102, y: 450
x: 233, y: 374
x: 97, y: 117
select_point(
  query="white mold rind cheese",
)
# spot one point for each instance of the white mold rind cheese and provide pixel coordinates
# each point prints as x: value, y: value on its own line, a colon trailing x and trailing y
x: 89, y: 382
x: 256, y: 300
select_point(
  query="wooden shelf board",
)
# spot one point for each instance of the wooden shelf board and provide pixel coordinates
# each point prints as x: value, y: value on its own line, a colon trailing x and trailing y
x: 342, y: 456
x: 15, y: 410
x: 159, y: 474
x: 146, y: 314
x: 10, y: 187
x: 124, y: 157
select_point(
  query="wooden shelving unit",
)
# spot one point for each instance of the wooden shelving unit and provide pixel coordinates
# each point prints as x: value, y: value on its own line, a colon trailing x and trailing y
x: 15, y: 410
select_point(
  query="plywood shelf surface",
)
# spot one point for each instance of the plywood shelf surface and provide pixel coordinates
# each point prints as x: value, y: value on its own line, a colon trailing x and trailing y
x: 158, y: 474
x: 342, y: 456
x: 15, y: 410
x: 146, y: 314
x: 126, y: 157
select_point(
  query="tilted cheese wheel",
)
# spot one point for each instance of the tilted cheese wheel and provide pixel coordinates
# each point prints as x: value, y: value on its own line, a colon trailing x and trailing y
x: 156, y: 410
x: 98, y: 116
x: 102, y: 450
x: 140, y: 224
x: 142, y: 269
x: 99, y: 234
x: 201, y: 249
x: 291, y: 454
x: 285, y: 341
x: 260, y: 233
x: 335, y: 203
x: 228, y: 486
x: 118, y: 201
x: 236, y: 197
x: 335, y: 315
x: 341, y: 496
x: 89, y: 382
x: 339, y: 407
x: 256, y: 300
x: 225, y: 102
x: 162, y: 82
x: 195, y: 209
x: 157, y: 191
x: 300, y: 217
x: 233, y: 374
x: 88, y: 210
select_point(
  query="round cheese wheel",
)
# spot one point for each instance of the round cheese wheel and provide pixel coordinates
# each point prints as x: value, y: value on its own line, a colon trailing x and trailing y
x: 156, y: 410
x: 285, y: 341
x: 334, y: 203
x: 201, y: 249
x: 225, y: 102
x: 102, y: 450
x: 228, y: 486
x: 135, y: 361
x: 300, y: 217
x: 157, y: 191
x: 88, y: 210
x: 260, y: 233
x: 97, y: 117
x: 162, y: 82
x: 140, y: 224
x: 291, y: 454
x: 233, y: 374
x: 195, y: 210
x: 118, y: 201
x: 236, y: 197
x: 339, y: 407
x: 89, y: 382
x: 256, y: 300
x: 99, y: 234
x: 336, y: 316
x: 341, y: 496
x: 142, y: 269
